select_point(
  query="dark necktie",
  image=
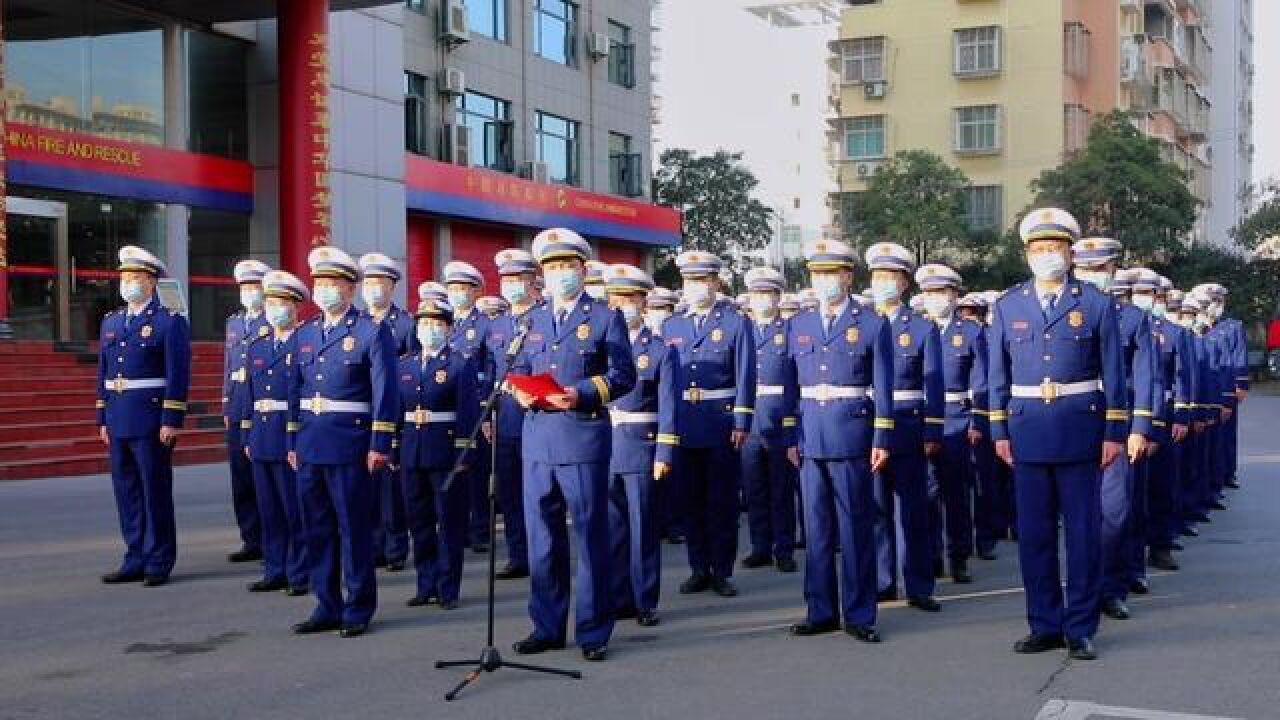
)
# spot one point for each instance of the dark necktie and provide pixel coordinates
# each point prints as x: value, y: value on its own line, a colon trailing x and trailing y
x: 561, y: 314
x: 1047, y: 306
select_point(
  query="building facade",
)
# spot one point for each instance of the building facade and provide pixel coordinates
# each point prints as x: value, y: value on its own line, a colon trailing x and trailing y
x: 210, y: 132
x: 1230, y: 26
x: 1004, y: 90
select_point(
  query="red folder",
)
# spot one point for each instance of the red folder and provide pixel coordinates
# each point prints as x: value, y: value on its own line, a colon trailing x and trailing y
x: 539, y: 386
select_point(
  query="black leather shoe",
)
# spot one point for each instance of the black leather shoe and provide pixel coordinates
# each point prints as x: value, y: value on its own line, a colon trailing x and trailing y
x: 1176, y: 546
x: 1218, y: 505
x: 1140, y: 586
x: 724, y: 587
x: 625, y: 614
x: 511, y: 572
x: 757, y: 560
x: 119, y: 576
x: 1082, y: 649
x: 888, y: 595
x: 262, y: 586
x: 395, y: 566
x: 806, y: 628
x: 1035, y: 643
x: 449, y: 604
x: 313, y: 626
x: 1201, y: 518
x: 695, y: 584
x: 245, y: 554
x: 926, y: 604
x: 1189, y: 531
x: 353, y: 630
x: 1162, y: 560
x: 800, y: 543
x: 939, y: 568
x: 1115, y: 609
x: 960, y: 571
x: 1233, y: 483
x: 297, y: 590
x: 533, y: 645
x: 675, y: 539
x: 786, y: 564
x: 420, y: 601
x: 480, y: 548
x: 647, y: 618
x: 987, y: 554
x: 595, y: 654
x: 155, y: 580
x: 863, y: 633
x: 380, y: 562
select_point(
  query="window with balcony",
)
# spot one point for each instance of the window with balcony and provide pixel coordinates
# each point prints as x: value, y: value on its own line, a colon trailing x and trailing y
x: 622, y: 56
x: 864, y: 138
x: 863, y: 60
x: 983, y: 209
x: 977, y: 51
x: 492, y: 132
x: 557, y: 146
x: 488, y: 18
x: 1075, y: 49
x: 977, y: 129
x: 555, y: 30
x: 416, y: 138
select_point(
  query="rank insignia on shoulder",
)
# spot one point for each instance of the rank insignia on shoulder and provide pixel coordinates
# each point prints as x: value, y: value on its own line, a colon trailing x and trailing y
x: 642, y: 362
x: 851, y: 335
x: 957, y: 340
x: 717, y: 335
x: 441, y: 376
x: 584, y: 331
x: 146, y: 331
x: 1075, y: 318
x: 348, y: 344
x: 904, y: 340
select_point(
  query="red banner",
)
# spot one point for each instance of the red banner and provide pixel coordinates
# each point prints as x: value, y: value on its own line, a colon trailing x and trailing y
x: 305, y: 199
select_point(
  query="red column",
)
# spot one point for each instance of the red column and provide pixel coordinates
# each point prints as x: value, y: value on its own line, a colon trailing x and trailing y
x: 5, y: 330
x: 305, y: 215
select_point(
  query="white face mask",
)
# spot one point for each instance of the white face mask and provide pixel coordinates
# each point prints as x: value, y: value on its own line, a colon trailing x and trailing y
x: 460, y: 299
x: 828, y: 288
x: 1143, y: 302
x: 327, y: 297
x: 251, y: 298
x: 1047, y: 265
x: 375, y: 296
x: 698, y: 293
x: 939, y: 307
x: 564, y: 282
x: 514, y: 290
x: 654, y: 319
x: 431, y: 337
x: 132, y: 292
x: 280, y: 316
x: 885, y: 291
x: 763, y: 305
x: 631, y: 314
x: 1201, y: 322
x: 1099, y: 279
x: 1159, y: 310
x: 1215, y: 311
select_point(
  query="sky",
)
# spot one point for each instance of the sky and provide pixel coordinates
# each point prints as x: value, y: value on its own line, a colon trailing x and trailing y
x: 726, y: 80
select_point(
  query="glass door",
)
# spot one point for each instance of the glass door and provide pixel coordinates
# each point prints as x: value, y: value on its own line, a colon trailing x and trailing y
x: 41, y: 269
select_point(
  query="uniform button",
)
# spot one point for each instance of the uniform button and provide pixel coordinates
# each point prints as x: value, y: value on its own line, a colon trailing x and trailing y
x: 1047, y: 358
x: 120, y: 359
x: 319, y: 377
x: 1046, y: 336
x: 693, y: 384
x: 321, y: 359
x: 121, y: 343
x: 694, y: 366
x: 268, y: 387
x: 555, y: 347
x: 553, y: 367
x: 268, y: 372
x: 822, y: 367
x: 419, y: 387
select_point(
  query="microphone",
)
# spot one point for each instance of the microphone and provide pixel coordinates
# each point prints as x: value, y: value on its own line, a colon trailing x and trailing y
x: 517, y: 341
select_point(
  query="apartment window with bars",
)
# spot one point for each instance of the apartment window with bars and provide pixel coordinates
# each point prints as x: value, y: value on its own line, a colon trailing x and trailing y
x: 1076, y: 50
x: 977, y: 129
x: 977, y: 51
x: 983, y: 207
x: 864, y: 138
x: 863, y: 60
x: 1076, y: 128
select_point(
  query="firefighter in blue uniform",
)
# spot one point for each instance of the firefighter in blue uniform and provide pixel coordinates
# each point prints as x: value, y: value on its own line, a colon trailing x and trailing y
x: 919, y: 406
x: 989, y: 524
x: 660, y: 305
x: 1232, y: 334
x: 844, y: 366
x: 269, y: 367
x: 518, y: 272
x: 343, y: 404
x: 144, y: 370
x: 379, y: 275
x: 1194, y: 319
x: 1058, y: 416
x: 768, y: 475
x: 1095, y: 261
x: 242, y: 327
x: 464, y: 284
x: 964, y: 365
x: 718, y: 371
x: 437, y: 398
x: 583, y: 345
x: 644, y: 443
x: 493, y: 307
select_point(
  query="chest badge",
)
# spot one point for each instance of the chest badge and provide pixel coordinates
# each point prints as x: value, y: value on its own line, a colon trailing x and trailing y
x: 851, y: 335
x: 471, y: 333
x: 262, y: 331
x: 957, y: 340
x: 717, y: 335
x: 441, y: 376
x: 642, y: 362
x: 584, y: 331
x: 146, y: 331
x: 1075, y: 318
x: 779, y: 339
x: 348, y: 344
x: 904, y: 340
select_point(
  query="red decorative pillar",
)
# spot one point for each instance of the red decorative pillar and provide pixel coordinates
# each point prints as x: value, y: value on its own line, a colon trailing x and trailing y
x: 305, y: 198
x: 5, y: 330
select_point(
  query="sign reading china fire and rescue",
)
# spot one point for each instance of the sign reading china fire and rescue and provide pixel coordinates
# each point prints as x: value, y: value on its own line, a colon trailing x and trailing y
x: 47, y: 143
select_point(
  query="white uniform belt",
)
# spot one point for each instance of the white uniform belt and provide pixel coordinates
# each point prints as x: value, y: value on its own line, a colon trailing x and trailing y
x: 320, y: 405
x: 239, y: 375
x: 622, y: 417
x: 958, y: 397
x: 426, y: 417
x: 905, y: 395
x: 1050, y: 391
x: 266, y: 406
x: 121, y: 384
x: 833, y: 392
x: 699, y: 394
x: 766, y: 390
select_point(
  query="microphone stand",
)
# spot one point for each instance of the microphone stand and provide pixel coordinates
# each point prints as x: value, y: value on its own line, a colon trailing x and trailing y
x: 490, y: 659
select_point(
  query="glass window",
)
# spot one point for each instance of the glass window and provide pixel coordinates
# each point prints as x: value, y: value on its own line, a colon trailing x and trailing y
x: 216, y: 82
x: 977, y: 50
x: 977, y: 129
x: 1075, y: 50
x: 492, y: 131
x: 418, y: 6
x: 488, y: 18
x: 416, y: 138
x: 557, y: 141
x: 217, y: 241
x: 624, y: 167
x: 622, y: 55
x: 982, y: 207
x: 864, y: 138
x: 863, y: 60
x: 555, y: 31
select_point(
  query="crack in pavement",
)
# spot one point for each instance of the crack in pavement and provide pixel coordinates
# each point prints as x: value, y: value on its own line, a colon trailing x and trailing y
x: 177, y: 649
x: 1053, y: 676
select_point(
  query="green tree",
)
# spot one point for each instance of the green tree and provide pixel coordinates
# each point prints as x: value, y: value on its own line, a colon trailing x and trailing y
x: 1253, y: 283
x: 1264, y: 222
x: 714, y: 195
x: 1121, y: 187
x: 917, y: 201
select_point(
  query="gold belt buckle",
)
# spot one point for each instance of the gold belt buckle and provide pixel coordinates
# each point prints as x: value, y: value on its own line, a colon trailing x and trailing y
x: 319, y: 404
x: 1048, y: 390
x: 822, y: 393
x: 420, y: 416
x: 120, y: 384
x: 694, y: 394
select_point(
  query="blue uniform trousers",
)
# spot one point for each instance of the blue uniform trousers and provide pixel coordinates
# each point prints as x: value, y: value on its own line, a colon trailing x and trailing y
x: 956, y: 482
x: 672, y: 493
x: 437, y: 521
x: 1116, y: 503
x: 142, y: 480
x: 906, y: 480
x: 710, y: 477
x: 770, y: 482
x: 1232, y: 449
x: 284, y: 539
x: 839, y: 511
x: 1192, y: 476
x: 1045, y: 493
x: 337, y: 507
x: 636, y: 550
x: 1139, y: 519
x: 390, y: 533
x: 581, y: 491
x: 478, y: 494
x: 990, y: 519
x: 511, y: 501
x: 243, y: 503
x: 1164, y: 495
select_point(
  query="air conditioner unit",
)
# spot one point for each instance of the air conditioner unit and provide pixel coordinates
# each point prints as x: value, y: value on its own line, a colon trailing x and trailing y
x: 875, y: 88
x: 866, y: 169
x: 598, y: 45
x: 536, y: 171
x: 453, y: 22
x: 452, y: 81
x: 457, y: 144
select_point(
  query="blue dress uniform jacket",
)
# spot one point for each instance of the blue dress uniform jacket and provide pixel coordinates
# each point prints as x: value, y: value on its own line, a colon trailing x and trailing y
x: 719, y: 355
x: 964, y: 372
x: 144, y: 369
x: 768, y: 477
x: 270, y: 376
x: 917, y: 368
x: 1176, y: 364
x: 470, y: 335
x: 402, y: 328
x: 775, y: 412
x: 637, y: 445
x: 1140, y: 361
x: 502, y: 331
x: 241, y: 330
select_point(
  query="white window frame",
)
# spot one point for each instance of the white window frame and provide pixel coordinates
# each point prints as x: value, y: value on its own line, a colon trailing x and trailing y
x: 960, y: 123
x: 997, y: 212
x: 850, y: 128
x: 973, y: 40
x: 861, y: 51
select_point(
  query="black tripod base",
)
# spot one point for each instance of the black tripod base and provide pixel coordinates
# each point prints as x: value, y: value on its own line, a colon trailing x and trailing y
x: 490, y: 661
